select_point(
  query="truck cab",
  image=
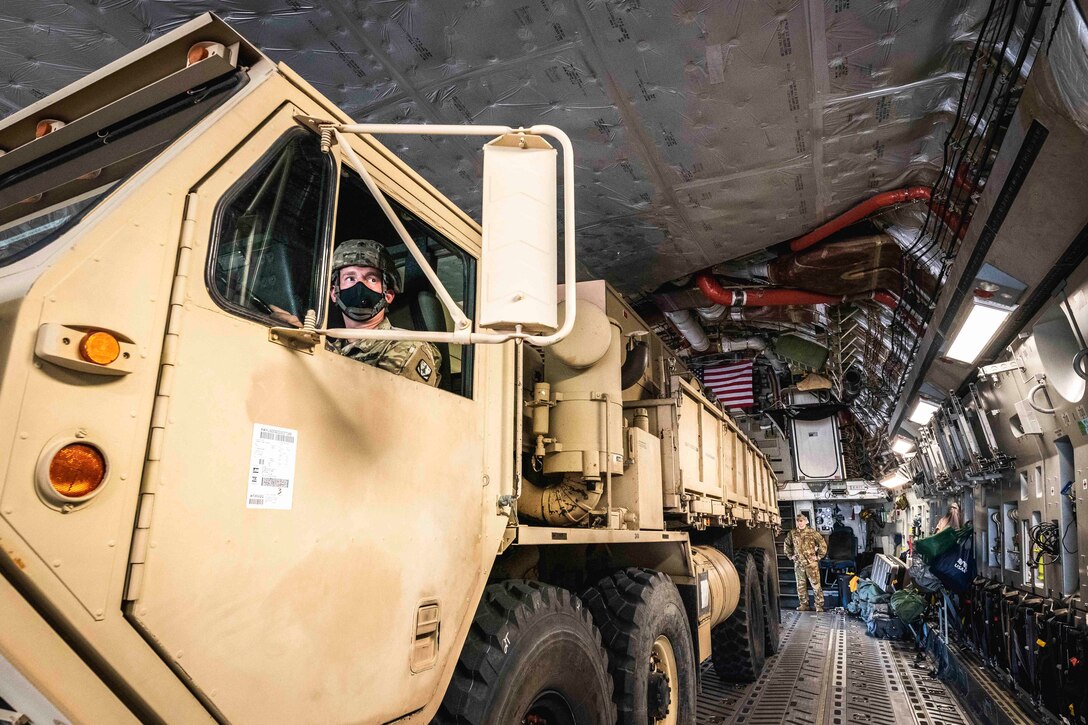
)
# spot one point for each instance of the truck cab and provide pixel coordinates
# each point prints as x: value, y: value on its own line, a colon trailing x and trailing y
x: 201, y: 500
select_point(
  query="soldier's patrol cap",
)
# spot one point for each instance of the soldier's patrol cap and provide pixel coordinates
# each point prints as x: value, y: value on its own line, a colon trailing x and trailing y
x: 367, y: 253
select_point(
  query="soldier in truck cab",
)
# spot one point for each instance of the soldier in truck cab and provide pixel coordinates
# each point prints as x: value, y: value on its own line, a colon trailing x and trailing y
x: 364, y: 282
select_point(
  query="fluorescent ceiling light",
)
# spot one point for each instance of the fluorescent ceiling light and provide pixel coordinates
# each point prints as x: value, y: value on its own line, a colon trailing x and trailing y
x: 894, y: 480
x: 982, y: 323
x: 922, y: 412
x: 902, y: 445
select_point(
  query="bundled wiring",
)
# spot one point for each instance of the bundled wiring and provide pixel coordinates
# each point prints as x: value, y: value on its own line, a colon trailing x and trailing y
x: 1070, y: 495
x: 1045, y: 542
x: 988, y: 94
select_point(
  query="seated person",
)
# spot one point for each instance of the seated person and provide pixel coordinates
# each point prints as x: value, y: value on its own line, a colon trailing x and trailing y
x: 364, y: 283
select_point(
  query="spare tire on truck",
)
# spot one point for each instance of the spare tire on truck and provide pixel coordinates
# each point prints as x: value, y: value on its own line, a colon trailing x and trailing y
x: 738, y: 645
x: 532, y: 655
x: 645, y: 631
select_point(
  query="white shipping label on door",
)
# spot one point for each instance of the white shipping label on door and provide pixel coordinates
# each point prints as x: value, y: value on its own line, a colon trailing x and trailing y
x: 271, y: 467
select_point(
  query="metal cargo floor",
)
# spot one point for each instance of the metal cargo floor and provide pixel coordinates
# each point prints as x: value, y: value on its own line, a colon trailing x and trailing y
x: 830, y: 671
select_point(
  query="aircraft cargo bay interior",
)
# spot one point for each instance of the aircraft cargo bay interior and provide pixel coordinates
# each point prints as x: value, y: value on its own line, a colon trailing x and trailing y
x: 548, y: 362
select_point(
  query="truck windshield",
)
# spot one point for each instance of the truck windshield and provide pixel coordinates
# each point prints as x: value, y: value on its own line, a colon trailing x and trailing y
x: 45, y: 197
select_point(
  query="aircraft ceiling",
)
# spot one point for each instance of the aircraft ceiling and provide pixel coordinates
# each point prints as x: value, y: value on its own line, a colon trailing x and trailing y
x: 704, y: 131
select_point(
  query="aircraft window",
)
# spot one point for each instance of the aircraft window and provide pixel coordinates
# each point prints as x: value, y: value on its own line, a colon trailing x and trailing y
x: 268, y: 256
x: 416, y: 306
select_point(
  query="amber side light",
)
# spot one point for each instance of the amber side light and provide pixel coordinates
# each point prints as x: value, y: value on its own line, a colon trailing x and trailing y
x: 77, y: 470
x: 99, y: 347
x: 46, y: 126
x: 197, y: 53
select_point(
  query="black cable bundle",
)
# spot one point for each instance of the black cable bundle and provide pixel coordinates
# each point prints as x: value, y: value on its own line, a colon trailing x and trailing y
x: 1046, y: 541
x: 988, y: 94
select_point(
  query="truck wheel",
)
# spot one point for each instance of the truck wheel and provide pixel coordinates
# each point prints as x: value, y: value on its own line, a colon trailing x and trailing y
x: 532, y: 656
x: 738, y: 645
x: 650, y: 654
x: 772, y: 617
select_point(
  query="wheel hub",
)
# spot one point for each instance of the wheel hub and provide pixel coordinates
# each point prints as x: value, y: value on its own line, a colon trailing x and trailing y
x: 662, y: 683
x: 658, y: 696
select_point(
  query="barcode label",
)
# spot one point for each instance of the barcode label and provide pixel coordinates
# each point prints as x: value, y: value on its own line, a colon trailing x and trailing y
x: 271, y: 467
x: 276, y: 435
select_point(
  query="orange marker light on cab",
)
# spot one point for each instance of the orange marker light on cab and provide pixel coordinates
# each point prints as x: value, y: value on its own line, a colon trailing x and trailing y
x: 99, y: 347
x: 204, y: 50
x: 196, y: 54
x: 47, y: 126
x: 77, y: 470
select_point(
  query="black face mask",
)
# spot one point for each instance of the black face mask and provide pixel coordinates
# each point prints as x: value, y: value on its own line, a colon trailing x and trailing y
x: 359, y: 302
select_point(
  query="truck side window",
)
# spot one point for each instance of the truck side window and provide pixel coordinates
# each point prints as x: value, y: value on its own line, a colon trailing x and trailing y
x: 417, y: 306
x: 267, y: 259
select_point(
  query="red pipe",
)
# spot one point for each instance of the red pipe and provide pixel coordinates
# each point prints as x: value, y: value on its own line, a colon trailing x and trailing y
x: 859, y: 212
x: 758, y: 297
x: 962, y: 182
x: 777, y: 297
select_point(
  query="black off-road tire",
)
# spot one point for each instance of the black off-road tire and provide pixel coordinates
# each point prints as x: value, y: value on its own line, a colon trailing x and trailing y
x: 772, y: 614
x: 530, y: 643
x: 738, y: 645
x: 633, y: 608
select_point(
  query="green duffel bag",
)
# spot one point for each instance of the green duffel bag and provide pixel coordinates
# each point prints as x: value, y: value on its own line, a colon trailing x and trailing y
x: 907, y: 604
x: 870, y: 592
x: 931, y: 547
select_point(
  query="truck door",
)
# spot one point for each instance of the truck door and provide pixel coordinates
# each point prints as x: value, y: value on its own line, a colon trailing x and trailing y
x: 309, y: 539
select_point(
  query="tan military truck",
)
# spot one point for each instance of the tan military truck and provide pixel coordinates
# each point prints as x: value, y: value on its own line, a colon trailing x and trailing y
x: 207, y: 514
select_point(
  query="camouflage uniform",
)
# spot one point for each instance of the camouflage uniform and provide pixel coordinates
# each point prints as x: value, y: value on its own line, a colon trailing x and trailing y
x: 806, y: 547
x: 417, y: 361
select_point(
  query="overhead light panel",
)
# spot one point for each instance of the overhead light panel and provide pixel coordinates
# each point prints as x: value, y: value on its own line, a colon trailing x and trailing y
x: 894, y: 480
x: 922, y: 412
x: 982, y: 323
x: 902, y: 445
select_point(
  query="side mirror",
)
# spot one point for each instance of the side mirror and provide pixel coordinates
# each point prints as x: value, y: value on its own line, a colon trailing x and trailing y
x: 519, y: 273
x: 518, y: 265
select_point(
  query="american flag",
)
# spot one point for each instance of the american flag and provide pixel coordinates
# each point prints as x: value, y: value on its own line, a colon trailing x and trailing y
x: 731, y: 383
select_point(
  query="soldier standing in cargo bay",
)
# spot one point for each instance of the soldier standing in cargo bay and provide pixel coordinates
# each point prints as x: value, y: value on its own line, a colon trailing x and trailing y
x: 806, y: 547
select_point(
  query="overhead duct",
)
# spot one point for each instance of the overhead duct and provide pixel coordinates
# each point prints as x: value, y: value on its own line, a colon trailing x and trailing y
x: 804, y: 352
x: 795, y: 315
x: 847, y: 267
x: 713, y: 313
x: 746, y: 343
x: 690, y: 328
x: 756, y: 344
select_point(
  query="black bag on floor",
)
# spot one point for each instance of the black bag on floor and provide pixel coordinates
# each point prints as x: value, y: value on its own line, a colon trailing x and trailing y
x: 882, y: 626
x: 956, y: 566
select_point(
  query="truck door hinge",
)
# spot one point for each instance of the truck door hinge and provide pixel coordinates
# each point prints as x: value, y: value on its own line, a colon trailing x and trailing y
x: 138, y: 553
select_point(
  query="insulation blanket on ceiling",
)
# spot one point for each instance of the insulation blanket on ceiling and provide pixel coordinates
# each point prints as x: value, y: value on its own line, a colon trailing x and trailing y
x: 703, y: 131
